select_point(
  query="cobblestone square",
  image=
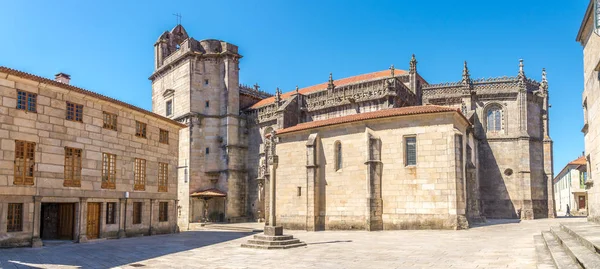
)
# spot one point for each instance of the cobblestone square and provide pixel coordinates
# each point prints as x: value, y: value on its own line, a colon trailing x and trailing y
x: 498, y: 244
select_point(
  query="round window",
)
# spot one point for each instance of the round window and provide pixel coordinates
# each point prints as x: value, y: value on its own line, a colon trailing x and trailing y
x: 508, y: 172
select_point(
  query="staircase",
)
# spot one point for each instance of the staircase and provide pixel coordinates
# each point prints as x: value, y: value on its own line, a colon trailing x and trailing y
x: 570, y: 245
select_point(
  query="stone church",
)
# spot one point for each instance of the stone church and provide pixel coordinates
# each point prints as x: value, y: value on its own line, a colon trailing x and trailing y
x: 382, y: 150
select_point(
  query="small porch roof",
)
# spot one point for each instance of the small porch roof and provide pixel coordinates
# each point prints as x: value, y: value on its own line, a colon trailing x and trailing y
x: 209, y: 193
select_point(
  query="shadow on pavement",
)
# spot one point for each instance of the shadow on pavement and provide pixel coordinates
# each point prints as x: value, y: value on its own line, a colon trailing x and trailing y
x: 490, y: 222
x: 113, y: 253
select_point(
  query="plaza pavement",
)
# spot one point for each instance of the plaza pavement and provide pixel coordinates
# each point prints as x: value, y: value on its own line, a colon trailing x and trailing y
x: 498, y: 244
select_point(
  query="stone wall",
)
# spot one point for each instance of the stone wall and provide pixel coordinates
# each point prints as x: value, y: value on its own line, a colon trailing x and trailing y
x: 421, y: 196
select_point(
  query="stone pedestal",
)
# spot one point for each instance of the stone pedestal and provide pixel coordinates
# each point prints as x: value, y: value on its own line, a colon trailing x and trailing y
x: 273, y: 238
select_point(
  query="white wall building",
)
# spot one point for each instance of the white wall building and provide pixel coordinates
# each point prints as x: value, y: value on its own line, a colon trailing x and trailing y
x: 569, y: 188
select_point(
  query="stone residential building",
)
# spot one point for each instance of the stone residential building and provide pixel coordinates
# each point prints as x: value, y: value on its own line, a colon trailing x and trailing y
x: 77, y: 165
x: 503, y: 124
x: 589, y: 37
x: 569, y: 188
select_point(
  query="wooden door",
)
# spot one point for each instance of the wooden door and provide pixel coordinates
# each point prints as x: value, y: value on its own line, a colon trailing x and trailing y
x: 581, y: 202
x: 65, y: 221
x: 93, y: 220
x: 49, y: 221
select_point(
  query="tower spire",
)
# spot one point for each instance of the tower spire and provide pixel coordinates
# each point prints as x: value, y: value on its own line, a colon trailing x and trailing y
x: 466, y: 77
x: 413, y: 64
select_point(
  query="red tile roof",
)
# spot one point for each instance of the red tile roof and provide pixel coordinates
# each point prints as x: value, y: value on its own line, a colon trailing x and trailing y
x: 25, y: 75
x: 579, y: 161
x: 209, y: 193
x: 392, y: 112
x: 337, y: 82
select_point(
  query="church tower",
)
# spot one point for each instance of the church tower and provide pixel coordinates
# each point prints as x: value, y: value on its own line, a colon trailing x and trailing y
x: 197, y: 83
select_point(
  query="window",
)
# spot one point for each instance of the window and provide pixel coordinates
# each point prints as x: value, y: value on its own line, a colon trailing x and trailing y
x: 206, y: 82
x: 582, y: 178
x: 140, y: 129
x: 24, y: 162
x: 494, y: 119
x: 207, y: 150
x: 74, y: 112
x: 589, y: 166
x: 109, y: 170
x: 139, y: 181
x: 338, y: 155
x: 110, y: 121
x: 163, y: 178
x: 14, y: 218
x: 164, y: 136
x: 169, y: 108
x: 111, y: 213
x: 137, y: 212
x: 72, y: 167
x: 207, y: 104
x: 411, y: 150
x: 26, y: 101
x: 163, y: 211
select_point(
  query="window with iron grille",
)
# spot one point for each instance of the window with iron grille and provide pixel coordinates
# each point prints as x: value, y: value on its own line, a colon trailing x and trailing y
x: 111, y: 213
x: 109, y: 171
x: 139, y: 181
x: 14, y: 219
x: 164, y: 136
x: 74, y: 112
x: 411, y: 150
x: 137, y: 212
x: 163, y: 179
x: 163, y: 211
x: 110, y: 121
x: 140, y: 129
x: 24, y: 162
x: 26, y: 101
x: 72, y: 167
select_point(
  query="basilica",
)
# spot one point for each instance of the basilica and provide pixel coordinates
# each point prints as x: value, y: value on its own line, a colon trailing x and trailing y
x: 381, y: 150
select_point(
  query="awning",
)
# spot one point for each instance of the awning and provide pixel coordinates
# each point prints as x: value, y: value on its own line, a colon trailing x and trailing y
x: 209, y: 193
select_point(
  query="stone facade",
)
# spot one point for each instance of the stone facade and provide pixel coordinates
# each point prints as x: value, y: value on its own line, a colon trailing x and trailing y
x: 374, y: 188
x: 512, y: 177
x: 51, y: 199
x: 589, y: 38
x: 569, y: 189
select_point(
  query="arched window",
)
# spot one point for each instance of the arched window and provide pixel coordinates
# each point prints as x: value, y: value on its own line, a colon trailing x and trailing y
x: 338, y: 155
x: 494, y: 118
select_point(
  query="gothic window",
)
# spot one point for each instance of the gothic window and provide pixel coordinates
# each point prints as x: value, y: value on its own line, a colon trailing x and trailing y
x: 494, y: 118
x: 338, y: 155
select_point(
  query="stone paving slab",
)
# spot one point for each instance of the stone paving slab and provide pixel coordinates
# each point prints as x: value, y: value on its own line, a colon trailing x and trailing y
x: 499, y: 244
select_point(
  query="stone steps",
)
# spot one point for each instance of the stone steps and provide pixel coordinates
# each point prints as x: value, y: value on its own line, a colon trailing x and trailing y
x: 262, y: 241
x: 570, y: 245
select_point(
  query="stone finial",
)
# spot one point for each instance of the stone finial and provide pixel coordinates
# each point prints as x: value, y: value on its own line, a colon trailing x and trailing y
x: 521, y: 71
x: 330, y: 85
x: 544, y: 79
x: 297, y: 90
x: 544, y: 83
x: 413, y: 64
x: 466, y: 77
x: 277, y: 96
x: 392, y: 69
x: 256, y: 87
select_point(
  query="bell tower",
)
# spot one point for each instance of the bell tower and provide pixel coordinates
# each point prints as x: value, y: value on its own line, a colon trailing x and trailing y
x: 197, y: 83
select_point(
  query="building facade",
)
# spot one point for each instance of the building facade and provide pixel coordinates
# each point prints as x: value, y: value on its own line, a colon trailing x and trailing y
x: 588, y: 36
x: 569, y: 188
x: 226, y: 149
x: 77, y: 165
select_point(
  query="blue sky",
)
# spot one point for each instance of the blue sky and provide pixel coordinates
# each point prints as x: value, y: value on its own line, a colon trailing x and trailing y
x: 107, y: 46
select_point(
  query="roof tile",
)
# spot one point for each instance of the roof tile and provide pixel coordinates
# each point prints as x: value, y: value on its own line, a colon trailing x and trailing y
x: 391, y: 112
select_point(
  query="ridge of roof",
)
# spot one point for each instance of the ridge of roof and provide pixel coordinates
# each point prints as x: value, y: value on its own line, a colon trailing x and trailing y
x: 337, y: 82
x: 385, y: 113
x: 18, y: 73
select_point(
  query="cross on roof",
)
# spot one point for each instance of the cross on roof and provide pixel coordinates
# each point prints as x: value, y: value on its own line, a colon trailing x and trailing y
x: 178, y: 16
x: 256, y: 87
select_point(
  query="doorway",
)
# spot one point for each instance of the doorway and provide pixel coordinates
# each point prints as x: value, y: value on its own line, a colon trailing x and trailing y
x: 582, y: 202
x: 57, y: 221
x: 93, y: 220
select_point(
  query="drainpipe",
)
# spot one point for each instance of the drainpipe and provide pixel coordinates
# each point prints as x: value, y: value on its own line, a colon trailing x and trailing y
x: 151, y: 211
